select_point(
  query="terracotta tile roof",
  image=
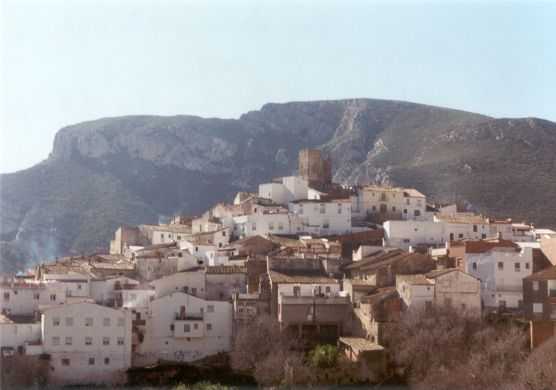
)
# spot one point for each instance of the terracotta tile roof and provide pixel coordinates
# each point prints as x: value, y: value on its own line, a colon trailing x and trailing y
x: 301, y: 277
x: 226, y: 269
x: 380, y: 295
x: 545, y: 274
x: 415, y: 280
x: 483, y: 246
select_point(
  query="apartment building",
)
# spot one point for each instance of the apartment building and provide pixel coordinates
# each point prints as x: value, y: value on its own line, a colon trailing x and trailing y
x: 86, y: 343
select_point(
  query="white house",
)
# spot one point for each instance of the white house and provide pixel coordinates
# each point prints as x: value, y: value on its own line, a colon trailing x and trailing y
x: 400, y: 203
x: 323, y: 217
x: 444, y: 228
x: 87, y: 343
x: 285, y: 189
x: 501, y: 267
x: 416, y: 291
x: 15, y: 333
x: 183, y: 328
x: 104, y: 291
x: 268, y: 223
x: 24, y: 298
x: 190, y: 282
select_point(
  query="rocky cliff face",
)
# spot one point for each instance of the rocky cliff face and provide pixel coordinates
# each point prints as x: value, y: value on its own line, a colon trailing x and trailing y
x: 137, y: 169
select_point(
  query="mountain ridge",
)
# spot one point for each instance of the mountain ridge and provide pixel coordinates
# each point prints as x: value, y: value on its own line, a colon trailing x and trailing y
x: 139, y: 168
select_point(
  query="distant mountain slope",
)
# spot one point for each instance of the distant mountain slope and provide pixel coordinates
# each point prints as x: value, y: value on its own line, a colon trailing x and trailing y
x: 136, y: 169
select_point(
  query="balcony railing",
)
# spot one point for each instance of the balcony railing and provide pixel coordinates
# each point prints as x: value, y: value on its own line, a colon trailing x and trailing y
x: 188, y: 317
x: 317, y: 299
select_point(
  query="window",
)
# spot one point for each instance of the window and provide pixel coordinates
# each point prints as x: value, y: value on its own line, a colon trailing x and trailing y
x: 325, y: 224
x: 193, y: 290
x: 69, y: 321
x: 209, y: 326
x: 36, y: 296
x: 210, y: 308
x: 69, y: 341
x: 405, y: 211
x: 327, y: 289
x: 88, y: 341
x: 474, y: 228
x: 527, y: 265
x: 374, y: 208
x: 186, y: 328
x: 296, y: 291
x: 500, y: 266
x: 474, y: 266
x: 460, y: 235
x: 120, y: 341
x: 171, y: 327
x: 121, y: 321
x: 91, y: 361
x: 407, y: 201
x: 106, y: 322
x: 553, y: 311
x: 223, y: 233
x: 535, y: 285
x: 537, y: 308
x: 107, y: 361
x: 179, y: 238
x: 55, y: 340
x: 6, y: 296
x: 280, y: 226
x: 55, y: 321
x: 195, y: 326
x: 271, y: 226
x: 339, y: 208
x: 106, y: 341
x: 52, y: 297
x: 162, y: 236
x: 417, y: 213
x: 483, y: 236
x: 88, y: 321
x: 65, y: 362
x: 517, y: 267
x: 254, y: 226
x: 79, y: 287
x: 394, y: 209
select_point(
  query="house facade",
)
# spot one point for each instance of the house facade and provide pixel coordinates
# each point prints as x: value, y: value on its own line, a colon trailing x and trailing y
x: 87, y: 343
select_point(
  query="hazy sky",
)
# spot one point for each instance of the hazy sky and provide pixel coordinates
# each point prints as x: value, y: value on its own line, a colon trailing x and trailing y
x: 64, y: 61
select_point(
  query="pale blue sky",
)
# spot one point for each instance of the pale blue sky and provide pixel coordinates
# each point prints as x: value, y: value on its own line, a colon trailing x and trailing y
x: 65, y: 61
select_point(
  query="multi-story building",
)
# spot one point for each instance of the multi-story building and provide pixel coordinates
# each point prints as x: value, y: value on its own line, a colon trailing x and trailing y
x: 86, y: 343
x: 443, y: 229
x: 381, y: 203
x: 499, y: 264
x: 323, y: 216
x: 285, y: 189
x: 183, y: 328
x: 24, y: 298
x: 539, y: 304
x: 305, y: 300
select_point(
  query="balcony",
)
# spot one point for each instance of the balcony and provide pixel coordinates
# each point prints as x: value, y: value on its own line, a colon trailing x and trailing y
x: 317, y: 300
x: 313, y: 309
x: 188, y: 316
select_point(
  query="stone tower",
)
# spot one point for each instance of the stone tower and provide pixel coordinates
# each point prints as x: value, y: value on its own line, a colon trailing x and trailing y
x: 313, y: 168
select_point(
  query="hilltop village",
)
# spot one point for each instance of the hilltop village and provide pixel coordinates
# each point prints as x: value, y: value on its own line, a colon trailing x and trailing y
x: 328, y: 263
